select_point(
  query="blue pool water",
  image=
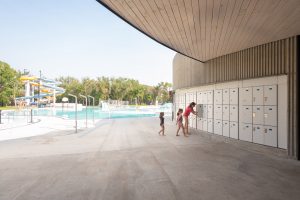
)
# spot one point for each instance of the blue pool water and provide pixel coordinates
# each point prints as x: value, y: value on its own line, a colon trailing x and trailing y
x: 130, y: 112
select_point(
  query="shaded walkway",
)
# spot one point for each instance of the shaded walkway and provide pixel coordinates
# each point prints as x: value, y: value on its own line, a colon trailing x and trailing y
x: 126, y: 159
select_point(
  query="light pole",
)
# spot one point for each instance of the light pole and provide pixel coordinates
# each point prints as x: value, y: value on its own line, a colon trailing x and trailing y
x: 75, y: 111
x: 85, y: 108
x: 93, y: 107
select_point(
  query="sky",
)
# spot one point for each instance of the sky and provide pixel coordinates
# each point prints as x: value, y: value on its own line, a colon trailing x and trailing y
x: 78, y: 38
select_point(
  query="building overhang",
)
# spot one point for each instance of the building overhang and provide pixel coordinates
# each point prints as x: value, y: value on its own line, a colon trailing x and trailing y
x: 203, y: 29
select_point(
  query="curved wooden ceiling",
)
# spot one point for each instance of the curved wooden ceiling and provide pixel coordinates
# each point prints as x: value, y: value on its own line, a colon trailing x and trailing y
x: 206, y: 29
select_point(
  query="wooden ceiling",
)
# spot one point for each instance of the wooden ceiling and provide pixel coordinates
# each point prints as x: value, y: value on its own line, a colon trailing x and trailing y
x: 206, y: 29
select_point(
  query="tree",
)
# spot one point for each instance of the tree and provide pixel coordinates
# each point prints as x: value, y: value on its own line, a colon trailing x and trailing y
x: 9, y: 84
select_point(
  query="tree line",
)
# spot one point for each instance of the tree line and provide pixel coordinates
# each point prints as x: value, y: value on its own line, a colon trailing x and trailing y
x: 102, y: 88
x: 123, y: 89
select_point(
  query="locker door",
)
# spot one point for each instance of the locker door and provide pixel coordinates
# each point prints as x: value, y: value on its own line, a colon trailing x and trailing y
x: 210, y: 126
x: 210, y: 111
x: 226, y: 96
x: 200, y: 124
x: 258, y: 134
x: 193, y: 97
x: 270, y: 95
x: 200, y: 110
x: 258, y: 115
x: 218, y: 96
x: 234, y: 130
x: 246, y: 114
x: 225, y: 112
x: 204, y: 97
x: 258, y: 95
x: 270, y: 136
x: 210, y: 97
x: 190, y: 121
x: 187, y: 98
x: 194, y: 118
x: 199, y: 96
x: 246, y: 96
x: 245, y: 132
x: 204, y: 124
x: 218, y: 127
x: 233, y: 113
x: 218, y: 112
x: 226, y: 128
x: 233, y: 96
x: 204, y: 111
x: 270, y: 115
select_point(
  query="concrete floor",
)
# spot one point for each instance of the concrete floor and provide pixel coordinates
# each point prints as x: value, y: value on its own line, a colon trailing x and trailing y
x: 127, y: 159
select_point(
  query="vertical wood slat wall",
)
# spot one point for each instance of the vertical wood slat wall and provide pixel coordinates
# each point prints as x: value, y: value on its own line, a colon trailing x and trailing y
x: 265, y: 60
x: 275, y: 58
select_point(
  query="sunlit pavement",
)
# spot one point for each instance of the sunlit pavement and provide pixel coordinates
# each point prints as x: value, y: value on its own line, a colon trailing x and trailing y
x: 127, y: 159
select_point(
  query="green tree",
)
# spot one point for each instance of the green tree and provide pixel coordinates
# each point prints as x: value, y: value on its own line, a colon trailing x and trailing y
x: 9, y: 84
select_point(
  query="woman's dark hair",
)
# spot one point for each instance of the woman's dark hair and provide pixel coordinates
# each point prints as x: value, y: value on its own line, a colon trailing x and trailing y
x: 179, y: 110
x: 192, y: 104
x: 161, y: 114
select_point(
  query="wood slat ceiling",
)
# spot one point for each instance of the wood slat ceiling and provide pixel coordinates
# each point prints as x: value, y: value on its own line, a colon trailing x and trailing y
x: 206, y: 29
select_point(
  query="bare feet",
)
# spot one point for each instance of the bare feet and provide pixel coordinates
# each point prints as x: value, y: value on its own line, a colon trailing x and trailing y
x: 185, y: 135
x: 177, y: 135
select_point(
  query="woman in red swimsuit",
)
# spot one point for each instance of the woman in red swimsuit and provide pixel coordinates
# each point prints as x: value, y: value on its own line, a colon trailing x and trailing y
x: 188, y: 110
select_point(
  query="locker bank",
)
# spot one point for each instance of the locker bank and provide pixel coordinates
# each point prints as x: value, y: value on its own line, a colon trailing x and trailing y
x: 243, y: 110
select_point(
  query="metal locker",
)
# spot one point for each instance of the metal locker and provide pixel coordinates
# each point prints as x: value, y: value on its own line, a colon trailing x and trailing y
x: 246, y: 114
x: 200, y: 124
x: 218, y: 127
x: 245, y: 132
x: 270, y: 133
x: 246, y: 96
x: 199, y: 97
x: 218, y: 96
x: 225, y: 96
x: 193, y: 97
x: 204, y: 124
x: 218, y: 112
x: 233, y: 113
x: 233, y: 96
x: 210, y: 98
x: 225, y: 113
x: 210, y: 126
x: 194, y: 120
x: 258, y: 134
x: 190, y: 121
x: 270, y: 95
x: 210, y: 111
x: 258, y: 95
x: 226, y: 128
x: 205, y: 111
x: 270, y: 115
x: 200, y: 110
x: 234, y: 130
x: 188, y: 96
x: 204, y: 97
x: 258, y: 115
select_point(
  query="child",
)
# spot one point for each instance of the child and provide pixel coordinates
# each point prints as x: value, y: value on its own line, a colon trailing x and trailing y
x: 179, y: 122
x: 162, y: 123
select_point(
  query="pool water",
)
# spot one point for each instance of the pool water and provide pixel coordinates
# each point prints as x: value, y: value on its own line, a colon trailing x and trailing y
x: 131, y: 112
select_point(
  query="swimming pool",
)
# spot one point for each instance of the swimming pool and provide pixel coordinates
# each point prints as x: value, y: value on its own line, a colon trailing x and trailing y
x: 98, y: 113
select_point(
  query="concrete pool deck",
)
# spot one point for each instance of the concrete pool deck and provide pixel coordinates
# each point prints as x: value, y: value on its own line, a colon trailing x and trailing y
x: 127, y: 159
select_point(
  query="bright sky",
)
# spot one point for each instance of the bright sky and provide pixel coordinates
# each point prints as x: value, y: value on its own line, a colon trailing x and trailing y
x: 79, y: 38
